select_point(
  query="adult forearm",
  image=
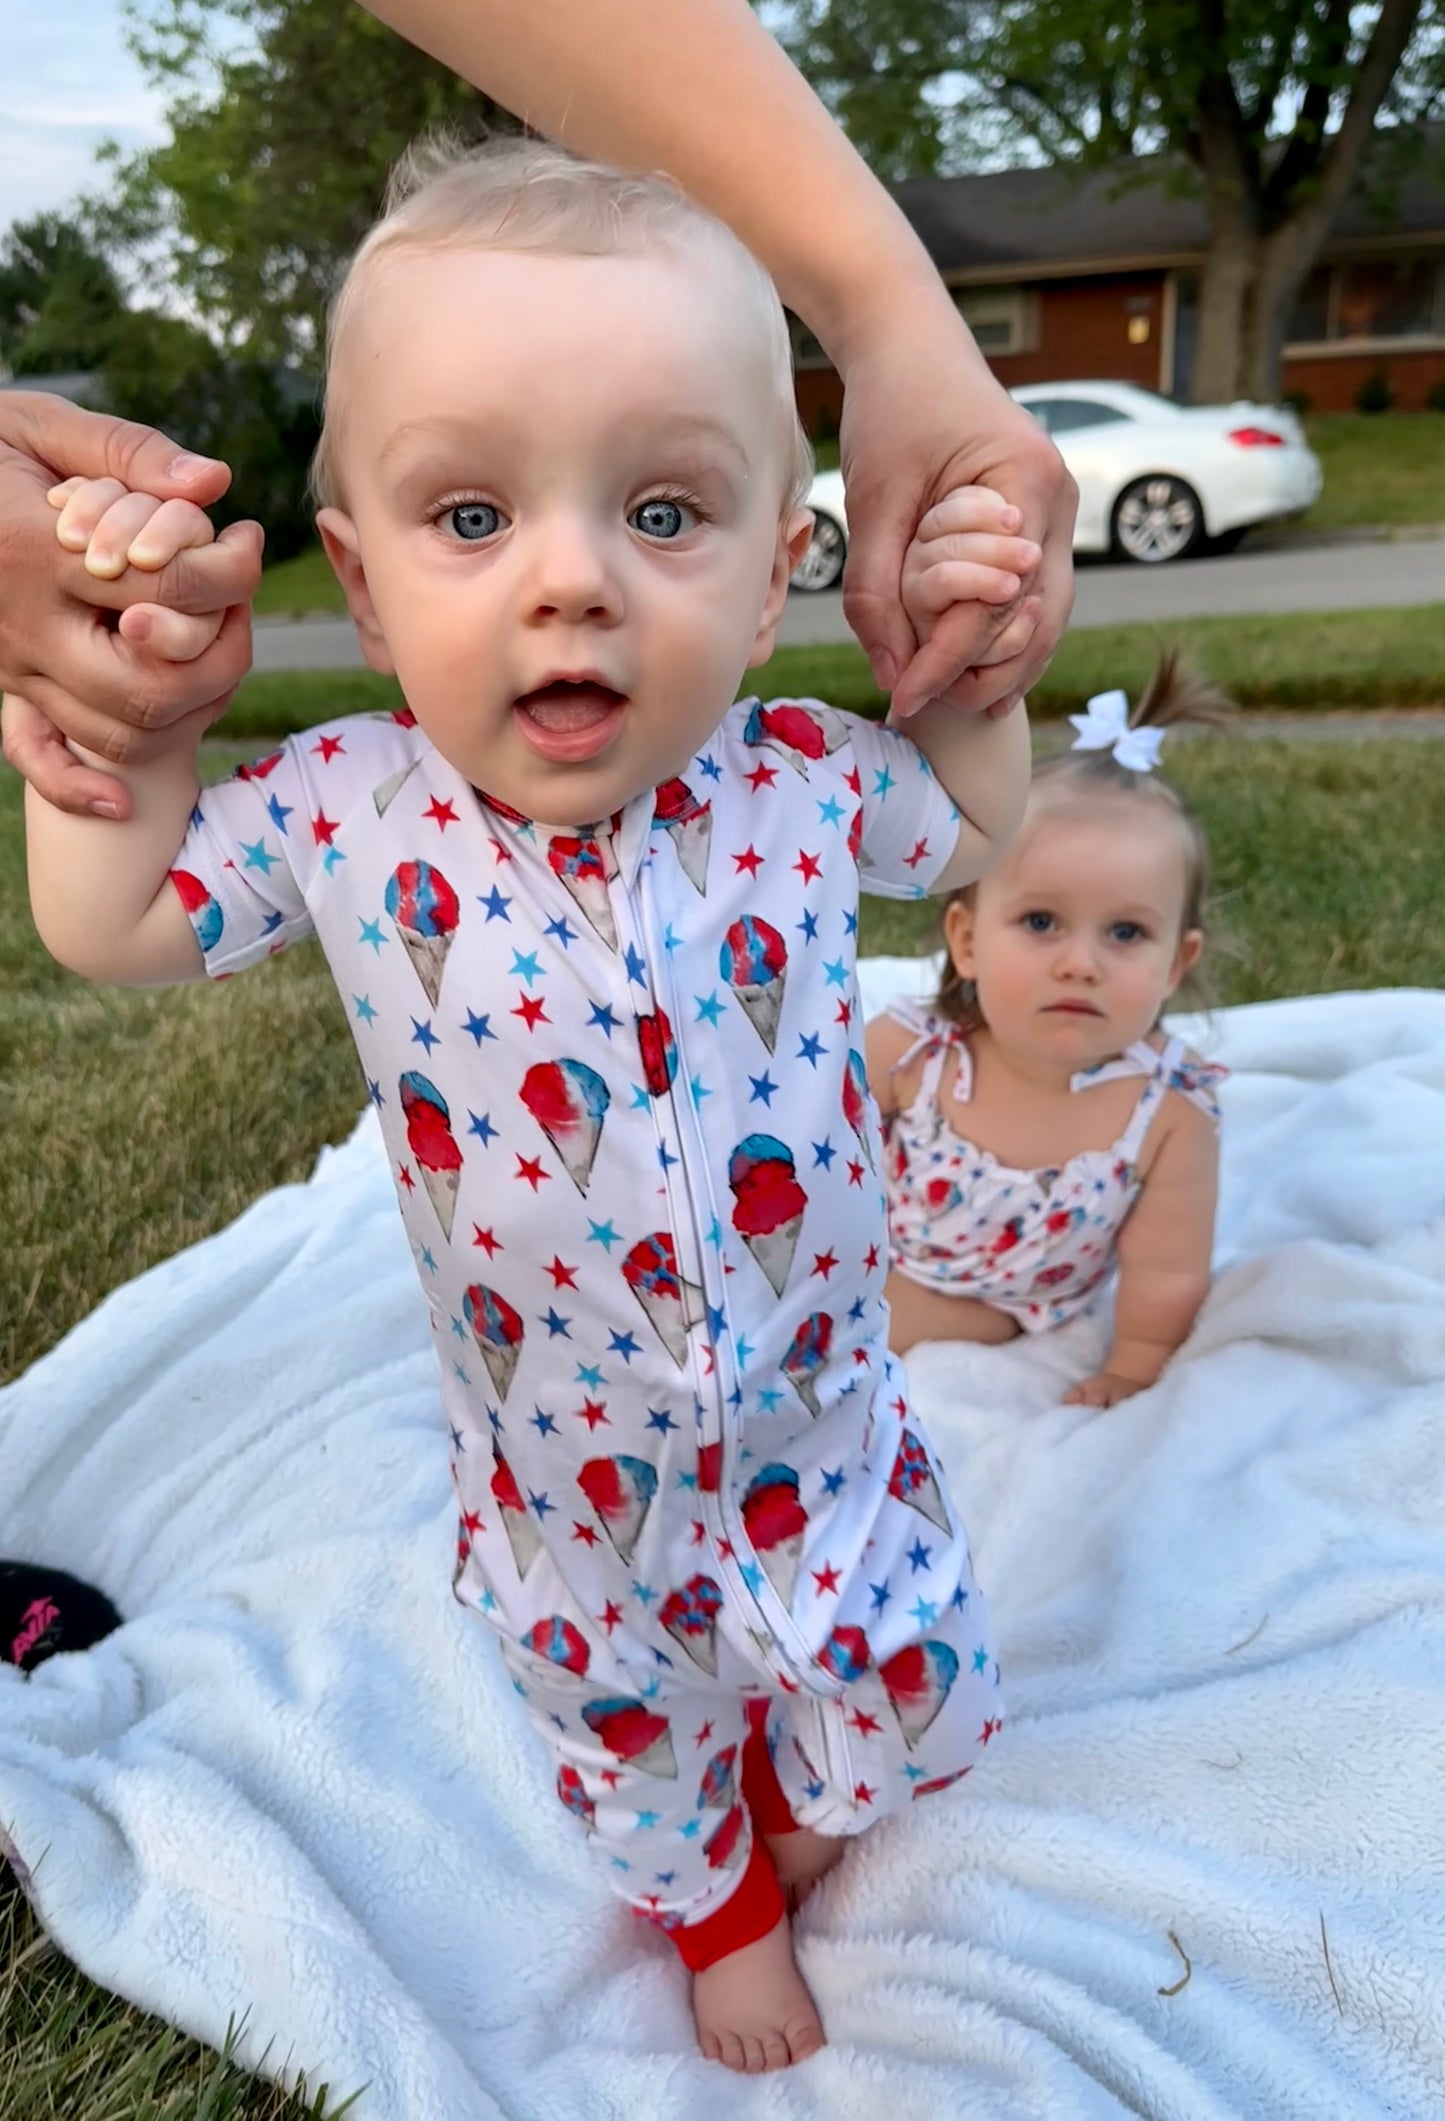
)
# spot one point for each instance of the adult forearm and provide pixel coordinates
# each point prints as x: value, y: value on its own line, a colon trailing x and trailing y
x: 701, y: 91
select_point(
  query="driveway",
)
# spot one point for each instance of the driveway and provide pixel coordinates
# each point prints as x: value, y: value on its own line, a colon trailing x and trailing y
x: 1358, y: 576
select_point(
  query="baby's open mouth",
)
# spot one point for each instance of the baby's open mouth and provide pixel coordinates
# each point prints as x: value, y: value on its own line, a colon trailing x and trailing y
x: 566, y: 705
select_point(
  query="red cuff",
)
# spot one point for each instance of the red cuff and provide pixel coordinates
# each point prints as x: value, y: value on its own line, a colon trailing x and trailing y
x: 761, y: 1787
x: 747, y: 1914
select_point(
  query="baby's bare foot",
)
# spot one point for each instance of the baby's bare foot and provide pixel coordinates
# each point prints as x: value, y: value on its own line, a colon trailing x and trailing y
x: 753, y: 2009
x: 801, y: 1859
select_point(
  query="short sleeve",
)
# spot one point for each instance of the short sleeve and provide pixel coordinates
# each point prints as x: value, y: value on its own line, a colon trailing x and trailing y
x: 260, y: 842
x: 909, y: 823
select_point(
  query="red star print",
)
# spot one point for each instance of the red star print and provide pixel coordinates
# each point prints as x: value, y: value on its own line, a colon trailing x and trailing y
x: 562, y: 1277
x: 328, y: 746
x: 490, y: 1244
x: 726, y: 1551
x: 825, y: 1578
x: 503, y: 854
x: 855, y: 1173
x: 699, y: 1531
x: 441, y: 813
x: 592, y: 1412
x: 900, y: 1406
x: 824, y: 1263
x: 322, y: 828
x: 865, y: 1726
x: 404, y: 1178
x: 610, y: 1776
x: 862, y: 1794
x: 704, y: 1734
x: 991, y: 1725
x: 471, y: 1520
x: 530, y: 1168
x: 851, y: 777
x: 761, y: 777
x: 752, y: 861
x: 610, y: 1616
x: 870, y: 1259
x: 808, y: 867
x: 919, y: 854
x: 584, y: 1532
x: 845, y: 1014
x: 860, y: 1355
x: 533, y: 1011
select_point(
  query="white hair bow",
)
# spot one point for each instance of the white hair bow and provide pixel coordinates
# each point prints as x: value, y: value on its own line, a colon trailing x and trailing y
x: 1104, y: 726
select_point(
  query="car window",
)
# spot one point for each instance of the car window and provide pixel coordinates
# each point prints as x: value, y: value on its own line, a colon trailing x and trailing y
x: 1065, y: 415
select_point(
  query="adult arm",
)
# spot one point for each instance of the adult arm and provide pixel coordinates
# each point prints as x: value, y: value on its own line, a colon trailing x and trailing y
x: 75, y: 673
x: 703, y: 92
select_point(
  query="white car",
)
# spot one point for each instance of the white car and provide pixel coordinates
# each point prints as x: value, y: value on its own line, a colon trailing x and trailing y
x: 1157, y: 481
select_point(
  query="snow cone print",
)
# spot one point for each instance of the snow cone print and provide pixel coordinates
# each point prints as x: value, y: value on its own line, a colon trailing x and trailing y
x: 559, y: 1643
x: 632, y: 1732
x: 718, y: 1788
x: 260, y: 769
x: 845, y: 1656
x: 585, y: 866
x: 689, y: 1616
x: 385, y: 793
x: 768, y: 1203
x: 918, y: 1681
x: 424, y: 907
x: 573, y: 1793
x: 806, y: 1356
x: 855, y: 1101
x: 724, y: 1846
x: 498, y: 1332
x: 430, y: 1138
x: 205, y: 913
x: 799, y: 733
x: 569, y: 1101
x: 776, y: 1524
x: 754, y: 962
x: 523, y: 1537
x: 912, y: 1481
x: 620, y: 1490
x: 688, y: 824
x: 673, y: 1306
x: 658, y: 1048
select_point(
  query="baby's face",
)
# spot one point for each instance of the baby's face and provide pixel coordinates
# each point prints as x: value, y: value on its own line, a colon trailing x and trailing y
x: 1075, y: 939
x: 564, y: 480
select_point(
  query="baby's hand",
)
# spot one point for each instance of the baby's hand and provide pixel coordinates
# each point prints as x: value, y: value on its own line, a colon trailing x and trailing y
x: 115, y: 529
x: 965, y: 551
x: 1105, y: 1389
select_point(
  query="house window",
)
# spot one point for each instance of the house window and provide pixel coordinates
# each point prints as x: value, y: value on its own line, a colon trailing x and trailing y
x: 1002, y: 319
x: 1365, y: 299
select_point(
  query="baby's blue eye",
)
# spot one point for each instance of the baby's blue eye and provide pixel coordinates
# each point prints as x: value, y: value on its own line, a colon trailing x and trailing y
x: 475, y: 520
x: 1038, y: 923
x: 660, y: 519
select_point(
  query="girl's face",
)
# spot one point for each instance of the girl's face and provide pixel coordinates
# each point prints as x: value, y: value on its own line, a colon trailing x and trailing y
x: 1076, y: 940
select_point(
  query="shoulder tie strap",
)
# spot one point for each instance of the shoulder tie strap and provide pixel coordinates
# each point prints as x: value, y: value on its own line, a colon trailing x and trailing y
x: 933, y: 1035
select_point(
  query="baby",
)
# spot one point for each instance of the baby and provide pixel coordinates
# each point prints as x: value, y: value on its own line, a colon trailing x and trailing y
x: 594, y: 926
x: 1091, y: 1137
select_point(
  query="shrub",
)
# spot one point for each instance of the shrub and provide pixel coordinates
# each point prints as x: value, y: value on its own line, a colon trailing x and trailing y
x: 1376, y: 393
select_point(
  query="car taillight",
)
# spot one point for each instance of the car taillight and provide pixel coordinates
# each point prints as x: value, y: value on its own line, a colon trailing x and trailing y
x: 1256, y: 438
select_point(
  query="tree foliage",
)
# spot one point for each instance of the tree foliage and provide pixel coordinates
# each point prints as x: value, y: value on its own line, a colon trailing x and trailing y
x: 59, y: 297
x: 1265, y: 105
x: 284, y: 118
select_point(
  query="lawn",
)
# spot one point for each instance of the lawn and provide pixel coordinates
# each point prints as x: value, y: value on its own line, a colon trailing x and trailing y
x: 1380, y: 468
x: 140, y: 1122
x: 1307, y: 660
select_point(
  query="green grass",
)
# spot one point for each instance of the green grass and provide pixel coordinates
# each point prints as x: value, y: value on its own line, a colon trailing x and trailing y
x: 139, y: 1122
x: 1305, y: 660
x: 1384, y: 468
x: 1380, y: 468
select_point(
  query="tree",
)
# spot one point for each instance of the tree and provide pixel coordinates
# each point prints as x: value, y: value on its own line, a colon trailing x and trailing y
x: 278, y: 154
x: 59, y: 298
x: 1268, y: 106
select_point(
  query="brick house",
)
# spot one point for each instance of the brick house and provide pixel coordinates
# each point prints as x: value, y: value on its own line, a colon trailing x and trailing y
x: 1069, y: 273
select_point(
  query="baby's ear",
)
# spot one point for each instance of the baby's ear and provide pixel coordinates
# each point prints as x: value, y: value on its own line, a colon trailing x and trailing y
x: 343, y: 549
x: 793, y: 534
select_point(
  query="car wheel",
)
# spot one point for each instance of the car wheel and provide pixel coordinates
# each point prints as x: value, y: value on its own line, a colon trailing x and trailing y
x: 821, y: 566
x: 1158, y: 518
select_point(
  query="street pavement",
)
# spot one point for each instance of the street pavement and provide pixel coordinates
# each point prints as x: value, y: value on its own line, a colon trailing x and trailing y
x: 1358, y: 576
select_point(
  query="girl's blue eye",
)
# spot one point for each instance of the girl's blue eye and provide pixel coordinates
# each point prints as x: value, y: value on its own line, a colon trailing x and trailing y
x: 1126, y: 932
x: 475, y: 520
x: 660, y: 519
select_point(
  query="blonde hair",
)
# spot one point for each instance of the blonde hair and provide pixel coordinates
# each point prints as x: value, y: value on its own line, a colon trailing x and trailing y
x: 515, y: 193
x: 1174, y: 696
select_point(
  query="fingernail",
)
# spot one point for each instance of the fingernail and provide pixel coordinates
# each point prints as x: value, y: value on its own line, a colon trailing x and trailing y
x: 104, y: 809
x: 140, y: 627
x: 141, y: 555
x: 883, y: 668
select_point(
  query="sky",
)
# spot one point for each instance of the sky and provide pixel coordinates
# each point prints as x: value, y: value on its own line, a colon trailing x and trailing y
x: 67, y: 83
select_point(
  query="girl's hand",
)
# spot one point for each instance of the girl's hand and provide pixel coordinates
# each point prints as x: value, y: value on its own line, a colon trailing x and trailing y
x: 1105, y: 1389
x: 116, y: 529
x: 966, y: 551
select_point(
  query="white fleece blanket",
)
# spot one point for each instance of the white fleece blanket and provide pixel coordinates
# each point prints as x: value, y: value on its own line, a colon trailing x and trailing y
x: 296, y: 1788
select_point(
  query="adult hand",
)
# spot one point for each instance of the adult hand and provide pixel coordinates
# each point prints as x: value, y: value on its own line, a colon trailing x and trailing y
x: 922, y: 414
x: 62, y: 651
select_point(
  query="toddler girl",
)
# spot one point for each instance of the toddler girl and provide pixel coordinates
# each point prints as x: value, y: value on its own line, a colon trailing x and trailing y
x: 1042, y: 1127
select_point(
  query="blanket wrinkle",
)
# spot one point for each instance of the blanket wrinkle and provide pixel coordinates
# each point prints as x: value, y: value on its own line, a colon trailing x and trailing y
x: 297, y: 1790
